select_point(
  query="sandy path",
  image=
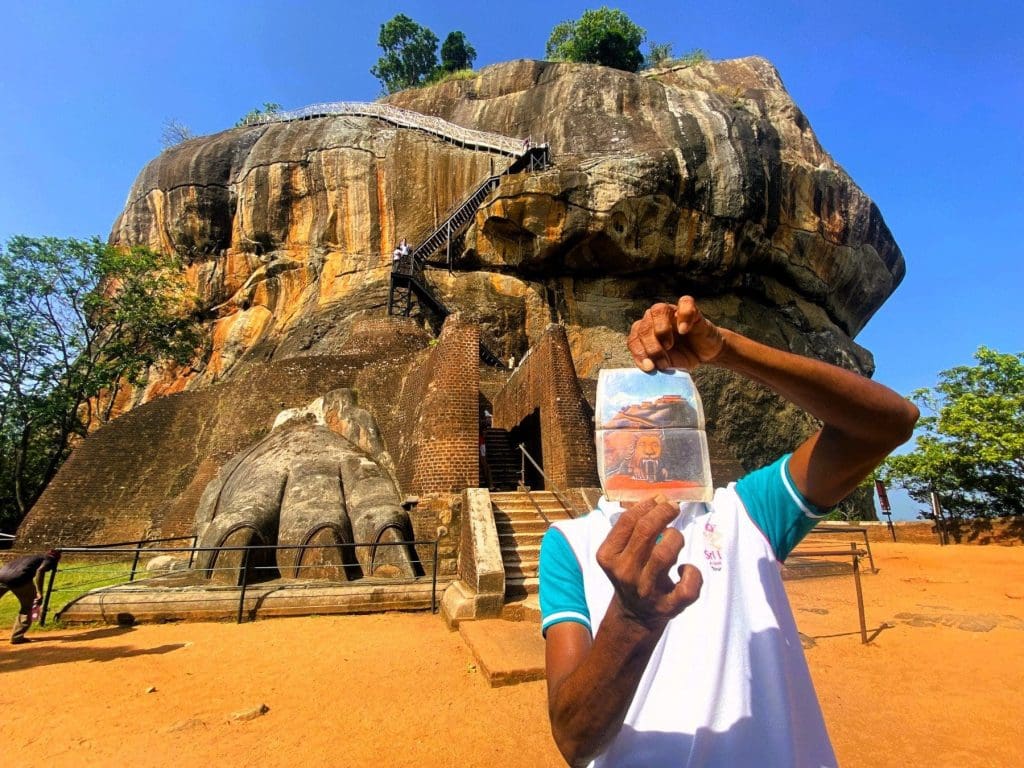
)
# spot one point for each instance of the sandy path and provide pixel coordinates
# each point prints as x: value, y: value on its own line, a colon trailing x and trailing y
x: 941, y: 687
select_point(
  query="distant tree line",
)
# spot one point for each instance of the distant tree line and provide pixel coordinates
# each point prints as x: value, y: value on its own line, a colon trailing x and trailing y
x: 969, y: 449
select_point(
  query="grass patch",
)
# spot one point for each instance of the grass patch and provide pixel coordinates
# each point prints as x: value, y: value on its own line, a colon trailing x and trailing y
x: 459, y: 74
x: 74, y: 578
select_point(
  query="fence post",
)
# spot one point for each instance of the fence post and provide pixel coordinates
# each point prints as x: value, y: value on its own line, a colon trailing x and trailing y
x: 433, y: 583
x: 135, y: 562
x: 245, y: 579
x: 192, y: 552
x: 46, y: 598
x: 860, y: 594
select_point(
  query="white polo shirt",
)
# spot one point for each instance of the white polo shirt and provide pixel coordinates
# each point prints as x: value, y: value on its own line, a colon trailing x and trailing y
x: 727, y: 684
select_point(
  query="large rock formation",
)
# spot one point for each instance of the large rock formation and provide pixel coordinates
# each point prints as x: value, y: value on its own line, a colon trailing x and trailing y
x: 705, y: 180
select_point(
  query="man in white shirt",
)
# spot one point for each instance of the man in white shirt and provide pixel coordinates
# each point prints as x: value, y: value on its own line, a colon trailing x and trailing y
x: 668, y: 635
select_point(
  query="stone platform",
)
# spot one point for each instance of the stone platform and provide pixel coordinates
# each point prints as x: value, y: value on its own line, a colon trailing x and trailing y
x: 506, y: 652
x: 158, y: 600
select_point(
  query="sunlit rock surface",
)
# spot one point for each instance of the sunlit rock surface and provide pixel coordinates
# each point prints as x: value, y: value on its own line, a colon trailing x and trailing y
x: 705, y: 180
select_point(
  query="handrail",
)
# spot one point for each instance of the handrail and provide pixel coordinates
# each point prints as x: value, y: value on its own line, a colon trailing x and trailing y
x: 825, y: 528
x: 138, y: 548
x: 445, y: 230
x: 405, y: 118
x: 855, y: 554
x: 554, y: 488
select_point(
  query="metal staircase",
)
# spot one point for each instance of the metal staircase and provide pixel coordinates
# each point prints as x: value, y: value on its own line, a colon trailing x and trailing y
x: 522, y: 518
x: 407, y: 273
x: 454, y: 225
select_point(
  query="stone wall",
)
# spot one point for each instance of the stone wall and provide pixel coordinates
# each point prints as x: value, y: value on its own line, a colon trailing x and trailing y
x: 438, y: 516
x: 440, y: 403
x: 1006, y: 531
x: 546, y: 380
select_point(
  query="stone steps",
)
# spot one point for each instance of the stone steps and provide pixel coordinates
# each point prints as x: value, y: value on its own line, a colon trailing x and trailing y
x: 520, y: 587
x: 502, y: 459
x: 520, y: 538
x: 521, y: 526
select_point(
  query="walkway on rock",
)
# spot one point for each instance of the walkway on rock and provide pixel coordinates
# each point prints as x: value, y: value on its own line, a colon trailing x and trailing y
x: 404, y: 118
x: 407, y: 279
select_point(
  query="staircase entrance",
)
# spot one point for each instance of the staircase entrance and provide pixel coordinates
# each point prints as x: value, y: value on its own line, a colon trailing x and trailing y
x: 528, y: 434
x: 502, y: 459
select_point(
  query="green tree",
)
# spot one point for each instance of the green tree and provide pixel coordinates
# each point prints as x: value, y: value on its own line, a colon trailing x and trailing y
x: 79, y: 319
x: 456, y: 53
x: 970, y: 449
x: 410, y: 54
x: 605, y: 36
x: 268, y: 109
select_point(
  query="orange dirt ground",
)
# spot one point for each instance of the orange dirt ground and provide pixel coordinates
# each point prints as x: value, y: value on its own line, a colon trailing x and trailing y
x: 942, y: 684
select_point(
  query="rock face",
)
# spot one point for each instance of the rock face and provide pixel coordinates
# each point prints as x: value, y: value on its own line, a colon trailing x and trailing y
x: 704, y: 180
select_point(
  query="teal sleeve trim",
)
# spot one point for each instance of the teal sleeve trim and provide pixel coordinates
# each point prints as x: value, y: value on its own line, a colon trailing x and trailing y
x: 561, y: 583
x: 777, y: 507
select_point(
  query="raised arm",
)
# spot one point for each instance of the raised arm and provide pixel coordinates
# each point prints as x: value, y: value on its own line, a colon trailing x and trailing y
x: 862, y: 421
x: 592, y: 681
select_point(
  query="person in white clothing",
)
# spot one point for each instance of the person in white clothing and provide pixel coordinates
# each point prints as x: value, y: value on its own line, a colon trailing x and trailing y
x: 669, y: 639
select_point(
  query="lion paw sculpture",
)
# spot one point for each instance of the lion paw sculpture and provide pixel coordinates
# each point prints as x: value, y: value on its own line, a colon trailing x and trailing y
x: 320, y: 477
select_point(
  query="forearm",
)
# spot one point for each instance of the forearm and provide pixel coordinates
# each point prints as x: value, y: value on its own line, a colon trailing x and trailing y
x: 588, y: 706
x: 863, y: 421
x: 845, y: 401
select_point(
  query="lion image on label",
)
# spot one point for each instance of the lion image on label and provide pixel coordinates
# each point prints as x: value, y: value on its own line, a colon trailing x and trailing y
x: 650, y: 436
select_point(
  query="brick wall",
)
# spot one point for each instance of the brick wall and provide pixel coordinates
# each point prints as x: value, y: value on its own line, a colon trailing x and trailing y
x: 546, y: 380
x: 440, y: 405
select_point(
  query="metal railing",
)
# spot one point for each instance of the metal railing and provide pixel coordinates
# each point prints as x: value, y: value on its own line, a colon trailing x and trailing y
x: 405, y: 118
x: 569, y: 507
x: 855, y: 554
x: 454, y: 222
x: 138, y: 549
x: 246, y: 569
x: 859, y: 530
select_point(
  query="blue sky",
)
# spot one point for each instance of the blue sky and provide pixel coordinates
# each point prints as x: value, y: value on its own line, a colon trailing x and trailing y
x: 921, y: 102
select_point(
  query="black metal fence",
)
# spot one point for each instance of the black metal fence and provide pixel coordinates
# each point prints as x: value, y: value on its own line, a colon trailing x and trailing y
x: 112, y: 565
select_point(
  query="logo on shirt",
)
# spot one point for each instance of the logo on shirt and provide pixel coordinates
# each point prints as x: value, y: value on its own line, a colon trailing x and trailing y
x: 713, y: 546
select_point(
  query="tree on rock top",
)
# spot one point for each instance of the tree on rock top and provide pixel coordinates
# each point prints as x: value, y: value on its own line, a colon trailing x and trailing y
x: 410, y: 54
x: 456, y: 53
x: 606, y: 36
